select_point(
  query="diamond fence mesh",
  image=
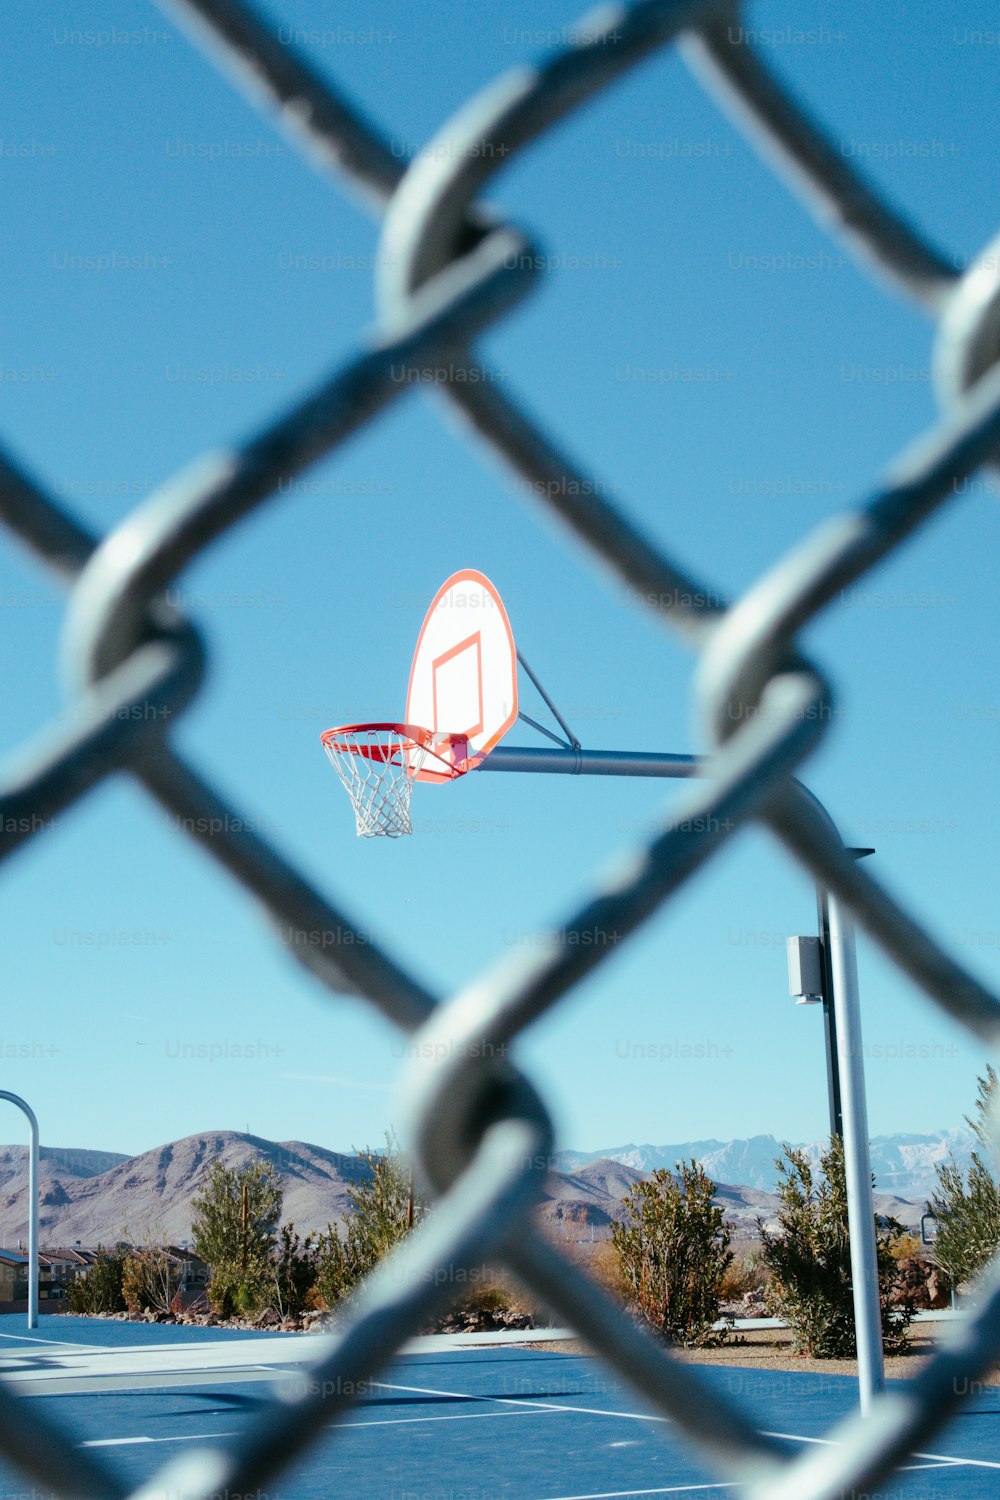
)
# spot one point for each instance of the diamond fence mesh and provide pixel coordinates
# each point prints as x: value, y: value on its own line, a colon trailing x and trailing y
x: 478, y: 1128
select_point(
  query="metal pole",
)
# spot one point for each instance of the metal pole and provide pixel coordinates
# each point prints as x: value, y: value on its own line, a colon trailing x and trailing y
x: 842, y: 1015
x: 32, y: 1205
x: 857, y: 1156
x: 829, y: 1016
x: 590, y: 762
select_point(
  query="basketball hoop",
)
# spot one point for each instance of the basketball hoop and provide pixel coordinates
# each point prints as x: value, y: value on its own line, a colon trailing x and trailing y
x: 378, y: 763
x: 464, y: 673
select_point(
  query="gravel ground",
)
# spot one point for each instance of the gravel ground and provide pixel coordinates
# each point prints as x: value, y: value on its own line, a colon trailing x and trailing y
x: 771, y: 1349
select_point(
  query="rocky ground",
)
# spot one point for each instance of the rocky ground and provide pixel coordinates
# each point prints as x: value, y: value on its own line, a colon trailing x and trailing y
x: 321, y: 1322
x: 266, y: 1322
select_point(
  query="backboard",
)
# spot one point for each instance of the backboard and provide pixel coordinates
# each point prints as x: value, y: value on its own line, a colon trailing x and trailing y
x: 463, y: 681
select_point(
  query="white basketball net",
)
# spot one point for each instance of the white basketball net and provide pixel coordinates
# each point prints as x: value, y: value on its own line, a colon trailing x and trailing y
x: 377, y: 767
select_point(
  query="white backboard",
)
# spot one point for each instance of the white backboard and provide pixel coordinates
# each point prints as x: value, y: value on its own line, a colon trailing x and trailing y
x: 464, y: 675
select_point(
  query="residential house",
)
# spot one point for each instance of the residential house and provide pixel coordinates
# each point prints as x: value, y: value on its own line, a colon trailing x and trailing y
x: 57, y: 1267
x: 13, y: 1281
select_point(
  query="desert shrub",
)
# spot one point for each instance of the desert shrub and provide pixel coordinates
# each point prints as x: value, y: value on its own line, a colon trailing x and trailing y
x: 293, y: 1272
x: 487, y: 1300
x: 747, y: 1272
x: 604, y: 1265
x: 238, y: 1291
x: 99, y: 1288
x: 182, y: 1301
x: 907, y: 1247
x: 673, y: 1247
x: 968, y: 1205
x: 233, y: 1229
x: 487, y: 1294
x: 336, y: 1274
x: 495, y: 1291
x: 383, y: 1210
x: 810, y: 1260
x: 150, y: 1280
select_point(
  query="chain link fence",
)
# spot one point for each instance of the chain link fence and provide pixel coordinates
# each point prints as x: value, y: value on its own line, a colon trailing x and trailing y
x: 478, y: 1128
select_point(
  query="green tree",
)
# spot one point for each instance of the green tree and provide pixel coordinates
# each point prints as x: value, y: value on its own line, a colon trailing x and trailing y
x: 968, y: 1206
x: 293, y: 1272
x: 99, y: 1288
x: 383, y: 1210
x: 672, y: 1244
x: 810, y: 1259
x: 232, y: 1229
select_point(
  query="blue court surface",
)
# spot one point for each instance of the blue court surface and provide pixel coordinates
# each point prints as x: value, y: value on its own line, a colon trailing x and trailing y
x: 442, y: 1424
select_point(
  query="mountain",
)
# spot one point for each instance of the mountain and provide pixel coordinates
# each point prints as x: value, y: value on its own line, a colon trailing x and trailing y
x: 589, y: 1196
x: 903, y: 1164
x: 55, y: 1161
x: 149, y: 1196
x: 95, y: 1196
x: 579, y: 1204
x: 61, y: 1171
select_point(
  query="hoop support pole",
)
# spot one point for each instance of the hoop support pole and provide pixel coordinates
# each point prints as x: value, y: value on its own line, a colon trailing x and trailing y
x: 846, y: 1063
x: 589, y: 762
x: 564, y: 761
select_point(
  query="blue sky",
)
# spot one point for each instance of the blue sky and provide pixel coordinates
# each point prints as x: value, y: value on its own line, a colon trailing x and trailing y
x: 730, y: 408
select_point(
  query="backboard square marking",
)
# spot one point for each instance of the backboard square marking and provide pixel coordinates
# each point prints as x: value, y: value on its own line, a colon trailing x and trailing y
x: 458, y: 678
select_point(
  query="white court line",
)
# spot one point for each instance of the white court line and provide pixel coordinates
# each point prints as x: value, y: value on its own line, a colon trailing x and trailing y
x: 204, y: 1437
x: 24, y: 1338
x: 465, y: 1416
x: 521, y: 1401
x: 200, y: 1437
x: 940, y: 1460
x: 547, y: 1409
x: 528, y: 1405
x: 115, y: 1442
x: 233, y: 1354
x: 975, y: 1463
x: 674, y: 1489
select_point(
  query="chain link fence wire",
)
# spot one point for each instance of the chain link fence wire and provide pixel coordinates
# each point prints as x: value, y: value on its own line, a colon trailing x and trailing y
x: 480, y: 1132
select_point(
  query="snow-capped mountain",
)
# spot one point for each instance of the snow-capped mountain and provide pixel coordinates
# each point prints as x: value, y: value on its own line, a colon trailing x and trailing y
x: 903, y: 1164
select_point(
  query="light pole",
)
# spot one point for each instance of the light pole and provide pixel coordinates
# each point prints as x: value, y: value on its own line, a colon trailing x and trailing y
x: 857, y: 1153
x: 825, y: 968
x: 32, y: 1205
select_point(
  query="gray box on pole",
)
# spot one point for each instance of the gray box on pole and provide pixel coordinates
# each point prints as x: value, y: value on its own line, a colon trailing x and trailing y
x: 805, y: 969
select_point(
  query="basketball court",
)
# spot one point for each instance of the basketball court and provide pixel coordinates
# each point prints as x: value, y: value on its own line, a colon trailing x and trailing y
x: 510, y: 1420
x: 122, y: 490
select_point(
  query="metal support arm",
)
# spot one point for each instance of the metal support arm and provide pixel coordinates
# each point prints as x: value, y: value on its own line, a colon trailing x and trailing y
x: 589, y: 762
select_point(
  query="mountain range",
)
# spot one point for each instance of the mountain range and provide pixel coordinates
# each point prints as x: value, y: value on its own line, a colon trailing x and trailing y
x: 98, y: 1197
x: 101, y: 1196
x: 903, y: 1164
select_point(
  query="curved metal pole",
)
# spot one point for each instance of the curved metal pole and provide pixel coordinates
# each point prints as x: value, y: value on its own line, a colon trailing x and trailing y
x: 32, y: 1205
x: 846, y: 1061
x: 857, y: 1154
